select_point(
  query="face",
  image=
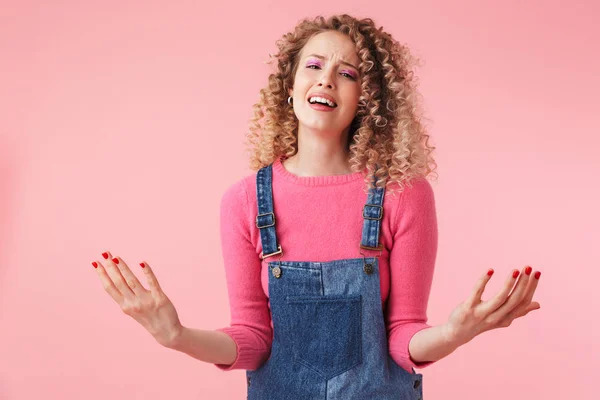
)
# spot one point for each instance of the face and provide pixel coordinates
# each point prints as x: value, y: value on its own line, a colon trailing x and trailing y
x: 328, y: 64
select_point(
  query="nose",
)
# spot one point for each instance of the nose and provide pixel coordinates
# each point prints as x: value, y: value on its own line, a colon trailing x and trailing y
x: 326, y: 80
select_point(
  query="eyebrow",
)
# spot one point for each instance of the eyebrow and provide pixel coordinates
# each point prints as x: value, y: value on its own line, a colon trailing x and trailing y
x: 323, y: 58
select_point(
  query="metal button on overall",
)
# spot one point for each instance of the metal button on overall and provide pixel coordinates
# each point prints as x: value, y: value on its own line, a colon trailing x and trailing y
x: 329, y: 332
x: 277, y: 272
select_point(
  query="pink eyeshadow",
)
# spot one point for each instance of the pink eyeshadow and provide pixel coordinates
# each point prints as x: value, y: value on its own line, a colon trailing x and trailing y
x: 351, y: 73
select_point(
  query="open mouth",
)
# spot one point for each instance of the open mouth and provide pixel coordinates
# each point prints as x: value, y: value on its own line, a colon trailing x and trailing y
x: 322, y: 101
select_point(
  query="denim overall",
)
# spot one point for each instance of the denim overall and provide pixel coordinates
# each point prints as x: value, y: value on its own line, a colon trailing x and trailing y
x: 329, y: 335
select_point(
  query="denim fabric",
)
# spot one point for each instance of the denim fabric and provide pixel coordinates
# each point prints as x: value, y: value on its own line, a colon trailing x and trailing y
x: 329, y: 334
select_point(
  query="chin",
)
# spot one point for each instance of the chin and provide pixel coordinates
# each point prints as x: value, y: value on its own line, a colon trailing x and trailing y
x: 322, y: 124
x: 324, y: 127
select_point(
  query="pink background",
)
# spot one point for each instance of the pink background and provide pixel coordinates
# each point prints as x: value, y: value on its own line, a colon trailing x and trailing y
x: 122, y: 124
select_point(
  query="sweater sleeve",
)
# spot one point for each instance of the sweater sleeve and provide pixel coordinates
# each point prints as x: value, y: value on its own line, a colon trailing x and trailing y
x: 250, y: 326
x: 412, y: 262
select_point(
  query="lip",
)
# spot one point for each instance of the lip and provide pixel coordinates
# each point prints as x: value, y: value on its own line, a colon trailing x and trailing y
x: 323, y: 95
x: 321, y: 107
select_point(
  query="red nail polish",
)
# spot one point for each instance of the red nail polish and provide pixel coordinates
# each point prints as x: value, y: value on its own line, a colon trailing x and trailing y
x: 95, y: 264
x: 537, y: 275
x: 105, y: 255
x: 142, y: 265
x: 528, y: 270
x: 515, y: 274
x: 490, y: 272
x: 115, y: 260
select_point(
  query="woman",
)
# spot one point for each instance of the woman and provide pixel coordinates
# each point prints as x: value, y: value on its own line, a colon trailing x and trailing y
x: 329, y: 257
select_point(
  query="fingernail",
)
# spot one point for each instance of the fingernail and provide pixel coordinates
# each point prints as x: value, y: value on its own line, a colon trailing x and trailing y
x: 105, y: 255
x: 490, y: 272
x: 95, y: 264
x: 115, y: 260
x: 537, y: 275
x: 528, y: 270
x: 515, y: 274
x: 142, y: 265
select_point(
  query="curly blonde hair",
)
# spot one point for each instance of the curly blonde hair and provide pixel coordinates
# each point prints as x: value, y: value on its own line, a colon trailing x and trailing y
x: 387, y: 131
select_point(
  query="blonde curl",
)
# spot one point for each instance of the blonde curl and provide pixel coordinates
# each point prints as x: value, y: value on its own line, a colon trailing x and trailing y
x: 387, y: 131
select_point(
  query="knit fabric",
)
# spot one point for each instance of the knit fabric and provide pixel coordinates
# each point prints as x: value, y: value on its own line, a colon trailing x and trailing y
x: 319, y: 218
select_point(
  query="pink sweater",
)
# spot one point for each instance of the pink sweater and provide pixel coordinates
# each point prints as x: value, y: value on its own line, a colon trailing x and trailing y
x: 319, y: 218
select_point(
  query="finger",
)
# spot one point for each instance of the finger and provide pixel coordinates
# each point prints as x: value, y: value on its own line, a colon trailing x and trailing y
x: 511, y: 316
x: 517, y: 294
x: 534, y: 305
x: 519, y: 312
x: 526, y: 305
x: 130, y: 279
x: 107, y: 283
x: 495, y: 302
x: 532, y: 285
x: 515, y: 297
x: 151, y: 278
x: 115, y: 275
x: 475, y: 297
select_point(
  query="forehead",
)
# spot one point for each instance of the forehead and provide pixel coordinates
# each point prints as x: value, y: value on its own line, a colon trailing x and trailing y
x: 332, y: 44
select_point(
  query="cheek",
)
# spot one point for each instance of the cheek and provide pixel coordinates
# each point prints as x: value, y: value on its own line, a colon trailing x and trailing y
x: 352, y: 99
x: 301, y: 80
x: 301, y: 88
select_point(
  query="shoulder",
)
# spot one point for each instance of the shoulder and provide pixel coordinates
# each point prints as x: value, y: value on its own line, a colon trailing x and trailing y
x: 412, y: 191
x: 416, y: 197
x: 417, y: 191
x: 239, y: 192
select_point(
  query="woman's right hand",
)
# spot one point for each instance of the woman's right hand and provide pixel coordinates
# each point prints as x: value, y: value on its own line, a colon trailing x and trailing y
x: 151, y: 308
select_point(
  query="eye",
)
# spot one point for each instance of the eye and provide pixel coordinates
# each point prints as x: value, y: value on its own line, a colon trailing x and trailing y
x: 312, y: 65
x: 348, y: 76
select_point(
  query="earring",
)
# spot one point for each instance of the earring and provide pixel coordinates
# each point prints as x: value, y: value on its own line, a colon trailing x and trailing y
x: 290, y: 100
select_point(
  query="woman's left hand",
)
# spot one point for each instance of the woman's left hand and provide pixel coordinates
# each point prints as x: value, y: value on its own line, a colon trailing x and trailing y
x: 475, y: 316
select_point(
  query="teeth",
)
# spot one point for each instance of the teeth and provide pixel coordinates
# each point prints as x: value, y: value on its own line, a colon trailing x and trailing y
x: 321, y: 100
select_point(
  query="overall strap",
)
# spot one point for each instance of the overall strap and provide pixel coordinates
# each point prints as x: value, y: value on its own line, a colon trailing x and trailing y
x: 265, y: 220
x: 372, y: 215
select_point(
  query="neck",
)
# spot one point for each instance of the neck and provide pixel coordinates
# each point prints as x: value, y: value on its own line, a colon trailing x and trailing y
x: 319, y: 153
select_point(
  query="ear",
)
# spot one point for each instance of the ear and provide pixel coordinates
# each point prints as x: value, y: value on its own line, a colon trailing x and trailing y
x: 291, y: 92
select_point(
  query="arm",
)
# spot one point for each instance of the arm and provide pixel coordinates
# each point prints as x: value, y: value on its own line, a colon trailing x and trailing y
x: 250, y: 328
x: 246, y: 342
x: 413, y: 342
x: 209, y: 346
x: 431, y: 344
